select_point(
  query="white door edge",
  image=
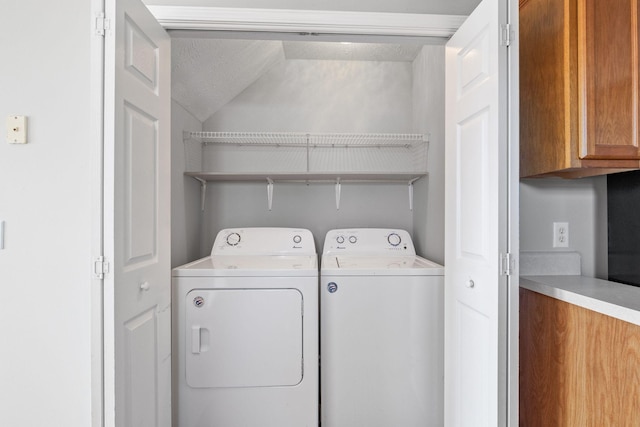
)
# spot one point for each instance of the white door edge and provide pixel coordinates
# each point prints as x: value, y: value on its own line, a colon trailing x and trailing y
x: 97, y: 237
x: 513, y: 239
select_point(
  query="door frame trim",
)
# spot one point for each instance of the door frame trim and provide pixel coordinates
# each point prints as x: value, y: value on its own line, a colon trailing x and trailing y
x: 306, y: 22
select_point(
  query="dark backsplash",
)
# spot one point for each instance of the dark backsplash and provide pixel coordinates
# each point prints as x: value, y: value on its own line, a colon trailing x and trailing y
x: 623, y: 211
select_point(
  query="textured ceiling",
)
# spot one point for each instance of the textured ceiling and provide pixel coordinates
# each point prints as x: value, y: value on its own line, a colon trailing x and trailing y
x: 208, y: 73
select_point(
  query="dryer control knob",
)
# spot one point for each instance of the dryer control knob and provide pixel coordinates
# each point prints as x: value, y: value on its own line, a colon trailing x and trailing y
x: 340, y: 240
x: 233, y: 239
x: 394, y: 239
x: 297, y: 238
x: 353, y: 239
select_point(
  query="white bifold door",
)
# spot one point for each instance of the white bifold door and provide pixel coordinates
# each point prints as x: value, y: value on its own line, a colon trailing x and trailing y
x: 137, y: 318
x: 477, y: 295
x: 479, y: 180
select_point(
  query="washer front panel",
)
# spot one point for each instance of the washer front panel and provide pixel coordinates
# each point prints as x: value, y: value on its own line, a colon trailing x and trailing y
x: 382, y: 341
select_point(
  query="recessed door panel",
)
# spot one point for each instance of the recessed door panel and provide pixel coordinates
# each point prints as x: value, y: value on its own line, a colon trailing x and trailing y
x: 141, y: 55
x: 141, y: 147
x: 472, y: 184
x: 243, y: 337
x: 141, y: 347
x: 473, y: 63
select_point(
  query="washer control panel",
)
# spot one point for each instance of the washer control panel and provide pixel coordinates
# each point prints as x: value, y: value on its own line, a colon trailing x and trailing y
x: 263, y: 241
x: 368, y: 241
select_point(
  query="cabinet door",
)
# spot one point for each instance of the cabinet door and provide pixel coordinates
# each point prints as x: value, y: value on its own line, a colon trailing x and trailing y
x: 577, y: 367
x: 608, y: 79
x: 547, y: 102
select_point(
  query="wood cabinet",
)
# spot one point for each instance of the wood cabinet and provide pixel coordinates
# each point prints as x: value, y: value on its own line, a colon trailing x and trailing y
x: 579, y: 94
x: 577, y: 367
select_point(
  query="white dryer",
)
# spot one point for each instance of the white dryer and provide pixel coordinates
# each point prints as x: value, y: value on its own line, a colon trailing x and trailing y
x: 246, y: 332
x: 381, y: 332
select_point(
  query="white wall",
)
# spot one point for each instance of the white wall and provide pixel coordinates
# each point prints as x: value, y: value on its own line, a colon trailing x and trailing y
x: 301, y: 206
x: 428, y: 117
x: 581, y: 203
x: 186, y: 215
x: 46, y: 198
x: 315, y: 96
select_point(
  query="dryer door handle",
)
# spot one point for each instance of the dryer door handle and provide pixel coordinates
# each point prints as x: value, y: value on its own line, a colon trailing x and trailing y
x: 195, y: 339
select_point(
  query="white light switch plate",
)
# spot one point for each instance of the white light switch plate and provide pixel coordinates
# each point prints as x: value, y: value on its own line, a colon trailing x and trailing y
x: 17, y: 129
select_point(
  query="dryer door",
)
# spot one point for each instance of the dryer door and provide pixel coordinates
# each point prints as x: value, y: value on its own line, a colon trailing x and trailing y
x: 243, y: 337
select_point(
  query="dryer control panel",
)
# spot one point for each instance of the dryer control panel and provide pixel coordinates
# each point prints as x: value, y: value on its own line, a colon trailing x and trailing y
x: 264, y: 241
x: 368, y: 241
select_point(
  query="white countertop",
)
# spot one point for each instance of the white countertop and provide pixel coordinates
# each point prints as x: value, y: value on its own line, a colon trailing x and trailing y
x: 609, y: 298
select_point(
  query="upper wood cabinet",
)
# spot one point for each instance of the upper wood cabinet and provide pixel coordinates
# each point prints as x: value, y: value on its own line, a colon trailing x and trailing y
x: 579, y: 94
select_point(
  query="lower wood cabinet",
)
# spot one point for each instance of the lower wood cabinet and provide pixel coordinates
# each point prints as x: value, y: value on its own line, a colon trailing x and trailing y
x: 577, y: 367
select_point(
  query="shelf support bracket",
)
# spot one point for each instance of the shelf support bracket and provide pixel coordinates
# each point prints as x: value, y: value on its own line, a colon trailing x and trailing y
x: 411, y: 193
x: 338, y: 191
x: 203, y: 192
x: 269, y: 193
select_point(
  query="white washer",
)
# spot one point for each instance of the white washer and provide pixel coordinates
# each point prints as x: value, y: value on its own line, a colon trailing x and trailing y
x: 381, y: 331
x: 247, y: 332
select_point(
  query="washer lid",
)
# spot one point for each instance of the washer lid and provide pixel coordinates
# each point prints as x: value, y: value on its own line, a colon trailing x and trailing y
x: 257, y: 265
x: 380, y: 265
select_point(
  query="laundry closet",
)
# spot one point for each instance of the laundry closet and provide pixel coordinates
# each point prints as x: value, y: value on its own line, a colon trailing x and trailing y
x: 309, y: 134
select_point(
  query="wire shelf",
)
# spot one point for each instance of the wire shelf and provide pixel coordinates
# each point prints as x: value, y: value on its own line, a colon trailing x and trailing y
x: 298, y: 152
x: 300, y: 139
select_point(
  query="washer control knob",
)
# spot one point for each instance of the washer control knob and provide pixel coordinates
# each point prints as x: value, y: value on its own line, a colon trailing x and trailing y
x: 340, y: 240
x: 353, y: 239
x: 394, y: 239
x: 233, y: 239
x: 297, y: 238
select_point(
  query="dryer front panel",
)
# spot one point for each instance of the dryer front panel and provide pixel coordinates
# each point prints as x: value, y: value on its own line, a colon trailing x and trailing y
x: 243, y: 337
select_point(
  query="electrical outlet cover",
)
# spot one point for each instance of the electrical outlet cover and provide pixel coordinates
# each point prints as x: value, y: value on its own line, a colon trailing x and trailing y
x: 560, y: 234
